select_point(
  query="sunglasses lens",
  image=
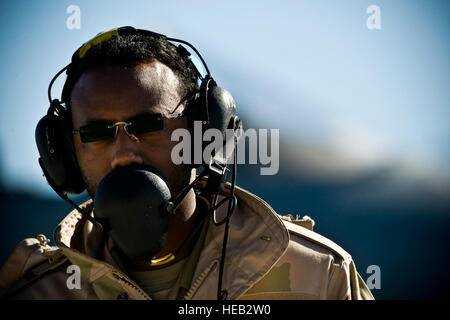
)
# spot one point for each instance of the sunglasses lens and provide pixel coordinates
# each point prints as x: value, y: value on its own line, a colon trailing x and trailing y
x: 138, y: 125
x: 144, y: 124
x: 96, y: 132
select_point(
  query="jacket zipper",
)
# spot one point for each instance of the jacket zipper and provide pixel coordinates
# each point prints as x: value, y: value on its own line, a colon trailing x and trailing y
x: 211, y: 267
x: 123, y: 279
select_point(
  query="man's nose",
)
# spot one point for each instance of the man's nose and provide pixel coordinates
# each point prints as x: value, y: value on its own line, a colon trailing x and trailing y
x: 125, y: 150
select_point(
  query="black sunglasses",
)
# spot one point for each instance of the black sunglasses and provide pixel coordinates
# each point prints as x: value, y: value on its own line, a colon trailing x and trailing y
x: 134, y: 126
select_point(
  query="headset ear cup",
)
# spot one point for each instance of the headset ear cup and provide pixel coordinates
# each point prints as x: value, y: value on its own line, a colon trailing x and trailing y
x: 49, y: 160
x: 219, y: 111
x: 222, y: 116
x: 222, y: 109
x: 193, y: 114
x: 56, y: 159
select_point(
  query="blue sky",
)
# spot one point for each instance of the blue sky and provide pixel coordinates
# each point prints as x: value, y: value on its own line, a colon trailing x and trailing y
x: 310, y: 68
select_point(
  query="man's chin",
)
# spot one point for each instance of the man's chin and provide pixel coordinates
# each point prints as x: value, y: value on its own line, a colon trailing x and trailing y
x: 91, y: 191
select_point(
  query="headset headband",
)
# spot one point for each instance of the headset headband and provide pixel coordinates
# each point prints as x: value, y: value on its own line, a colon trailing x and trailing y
x: 80, y: 54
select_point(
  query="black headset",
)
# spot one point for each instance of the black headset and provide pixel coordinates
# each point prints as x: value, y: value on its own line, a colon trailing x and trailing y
x: 212, y: 105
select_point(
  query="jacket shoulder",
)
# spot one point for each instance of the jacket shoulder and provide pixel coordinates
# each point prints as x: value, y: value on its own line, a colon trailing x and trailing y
x: 303, y: 229
x: 31, y: 259
x: 312, y: 267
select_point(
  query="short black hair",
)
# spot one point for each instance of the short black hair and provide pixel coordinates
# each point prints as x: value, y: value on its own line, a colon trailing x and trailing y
x: 130, y: 50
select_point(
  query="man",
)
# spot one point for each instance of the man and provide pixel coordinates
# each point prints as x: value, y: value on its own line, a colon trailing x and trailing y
x: 122, y: 78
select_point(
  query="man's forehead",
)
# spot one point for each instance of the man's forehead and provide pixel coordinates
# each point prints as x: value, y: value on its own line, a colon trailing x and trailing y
x: 115, y: 92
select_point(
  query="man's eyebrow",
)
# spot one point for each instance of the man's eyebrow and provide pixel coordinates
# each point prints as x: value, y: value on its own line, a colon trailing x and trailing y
x: 142, y: 114
x: 96, y: 121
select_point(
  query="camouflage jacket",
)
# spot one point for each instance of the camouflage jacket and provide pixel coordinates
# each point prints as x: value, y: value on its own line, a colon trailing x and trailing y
x: 268, y: 257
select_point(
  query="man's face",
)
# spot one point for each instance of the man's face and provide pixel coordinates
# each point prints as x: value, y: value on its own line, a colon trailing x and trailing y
x: 116, y: 94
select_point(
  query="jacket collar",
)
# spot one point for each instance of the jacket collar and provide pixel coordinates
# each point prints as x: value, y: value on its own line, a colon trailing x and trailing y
x: 257, y: 239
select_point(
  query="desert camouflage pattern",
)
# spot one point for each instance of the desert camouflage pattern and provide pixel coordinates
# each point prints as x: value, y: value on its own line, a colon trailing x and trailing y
x: 268, y: 257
